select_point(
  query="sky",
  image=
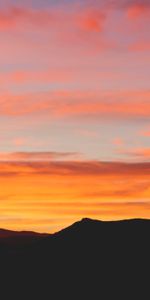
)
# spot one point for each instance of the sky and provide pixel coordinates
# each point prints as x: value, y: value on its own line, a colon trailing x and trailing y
x: 74, y: 112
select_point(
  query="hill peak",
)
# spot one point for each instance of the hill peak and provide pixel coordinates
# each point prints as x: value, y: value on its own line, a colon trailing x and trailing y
x: 86, y: 220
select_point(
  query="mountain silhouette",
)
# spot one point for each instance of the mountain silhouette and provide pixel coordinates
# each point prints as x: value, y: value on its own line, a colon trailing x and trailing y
x: 11, y: 241
x: 4, y: 233
x: 89, y: 259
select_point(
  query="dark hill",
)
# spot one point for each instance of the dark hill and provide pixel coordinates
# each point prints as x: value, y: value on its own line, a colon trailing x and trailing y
x: 15, y: 240
x: 8, y: 234
x: 90, y: 259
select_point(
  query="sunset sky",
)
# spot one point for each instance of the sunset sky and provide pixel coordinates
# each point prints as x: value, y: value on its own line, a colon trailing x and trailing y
x: 74, y: 112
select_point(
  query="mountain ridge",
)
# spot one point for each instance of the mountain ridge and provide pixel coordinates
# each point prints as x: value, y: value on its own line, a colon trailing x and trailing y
x: 89, y: 221
x: 90, y: 257
x: 10, y: 233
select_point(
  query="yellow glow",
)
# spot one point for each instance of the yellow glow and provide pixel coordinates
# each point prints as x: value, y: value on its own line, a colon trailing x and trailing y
x: 33, y: 199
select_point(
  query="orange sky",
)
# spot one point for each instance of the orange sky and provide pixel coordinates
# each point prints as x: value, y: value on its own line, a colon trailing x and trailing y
x: 46, y: 196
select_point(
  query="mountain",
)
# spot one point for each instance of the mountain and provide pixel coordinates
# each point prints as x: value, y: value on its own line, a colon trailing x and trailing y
x: 95, y: 259
x: 8, y: 234
x: 11, y: 241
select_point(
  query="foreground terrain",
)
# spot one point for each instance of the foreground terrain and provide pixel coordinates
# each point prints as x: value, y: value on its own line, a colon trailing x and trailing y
x: 90, y: 258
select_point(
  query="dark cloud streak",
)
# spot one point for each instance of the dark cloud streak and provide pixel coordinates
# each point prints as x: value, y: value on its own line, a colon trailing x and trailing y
x: 75, y: 168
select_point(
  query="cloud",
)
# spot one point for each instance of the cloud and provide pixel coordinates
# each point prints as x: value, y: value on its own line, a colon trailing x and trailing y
x: 19, y: 142
x: 32, y: 163
x: 83, y: 30
x: 46, y: 76
x: 13, y: 16
x: 87, y: 18
x: 75, y: 104
x: 125, y: 4
x: 140, y: 153
x: 37, y: 156
x: 138, y: 9
x: 118, y: 142
x: 50, y: 35
x: 116, y: 4
x: 91, y: 20
x: 145, y: 133
x: 140, y: 46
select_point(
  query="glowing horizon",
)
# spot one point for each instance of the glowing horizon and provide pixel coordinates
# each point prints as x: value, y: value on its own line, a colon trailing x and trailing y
x: 47, y: 196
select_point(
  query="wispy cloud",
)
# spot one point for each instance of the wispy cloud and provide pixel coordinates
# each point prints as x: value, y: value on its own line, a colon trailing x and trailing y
x: 139, y: 153
x: 29, y: 163
x: 62, y: 104
x: 86, y: 19
x: 38, y: 156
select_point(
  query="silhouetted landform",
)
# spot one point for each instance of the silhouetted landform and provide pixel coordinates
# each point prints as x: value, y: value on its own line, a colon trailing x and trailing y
x: 9, y: 234
x: 90, y: 259
x: 15, y: 240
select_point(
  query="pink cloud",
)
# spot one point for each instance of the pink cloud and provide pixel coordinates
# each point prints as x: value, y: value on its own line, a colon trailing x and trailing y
x: 65, y: 104
x: 140, y: 46
x: 37, y: 156
x: 118, y: 142
x: 146, y: 133
x: 13, y: 16
x: 91, y: 20
x: 20, y: 77
x: 79, y: 28
x: 19, y: 142
x: 137, y: 153
x: 37, y: 35
x: 137, y: 10
x: 87, y: 18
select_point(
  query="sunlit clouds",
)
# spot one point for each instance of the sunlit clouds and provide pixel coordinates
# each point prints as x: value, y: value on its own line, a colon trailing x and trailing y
x: 50, y: 195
